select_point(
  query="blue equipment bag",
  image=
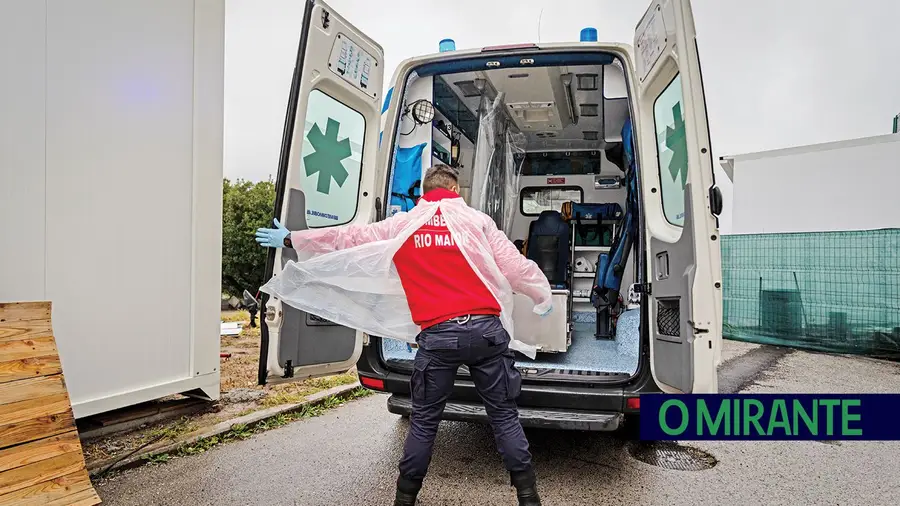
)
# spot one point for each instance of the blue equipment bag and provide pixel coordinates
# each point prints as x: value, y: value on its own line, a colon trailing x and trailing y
x: 407, y: 181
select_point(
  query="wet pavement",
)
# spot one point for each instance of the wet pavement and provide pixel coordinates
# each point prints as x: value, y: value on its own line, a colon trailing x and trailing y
x: 349, y: 456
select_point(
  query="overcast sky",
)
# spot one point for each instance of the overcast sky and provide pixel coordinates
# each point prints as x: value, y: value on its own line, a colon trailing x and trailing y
x: 778, y: 73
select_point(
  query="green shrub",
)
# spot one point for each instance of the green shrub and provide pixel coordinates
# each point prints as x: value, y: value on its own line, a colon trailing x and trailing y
x: 246, y: 207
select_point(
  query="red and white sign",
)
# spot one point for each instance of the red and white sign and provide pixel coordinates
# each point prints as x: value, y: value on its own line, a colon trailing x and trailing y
x: 556, y: 180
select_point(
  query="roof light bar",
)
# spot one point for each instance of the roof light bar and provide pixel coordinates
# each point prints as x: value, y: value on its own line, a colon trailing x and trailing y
x: 507, y: 47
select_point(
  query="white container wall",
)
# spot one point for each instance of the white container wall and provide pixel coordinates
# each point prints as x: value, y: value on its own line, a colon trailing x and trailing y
x: 111, y: 189
x: 845, y: 185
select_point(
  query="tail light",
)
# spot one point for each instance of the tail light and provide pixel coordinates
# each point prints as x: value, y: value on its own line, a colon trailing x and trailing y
x: 633, y: 403
x: 373, y: 383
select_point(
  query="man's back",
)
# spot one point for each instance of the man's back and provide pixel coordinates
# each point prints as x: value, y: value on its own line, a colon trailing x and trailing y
x: 438, y: 280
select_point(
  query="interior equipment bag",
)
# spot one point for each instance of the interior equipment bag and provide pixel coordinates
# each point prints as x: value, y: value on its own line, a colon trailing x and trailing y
x: 406, y: 185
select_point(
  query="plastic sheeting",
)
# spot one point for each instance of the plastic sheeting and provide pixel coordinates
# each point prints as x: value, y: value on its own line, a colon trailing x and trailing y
x: 353, y: 282
x: 499, y: 154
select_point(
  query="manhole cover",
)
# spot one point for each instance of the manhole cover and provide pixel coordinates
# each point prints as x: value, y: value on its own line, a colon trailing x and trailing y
x: 669, y: 455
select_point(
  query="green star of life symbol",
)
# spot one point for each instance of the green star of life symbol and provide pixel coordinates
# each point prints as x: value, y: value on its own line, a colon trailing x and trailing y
x: 328, y: 156
x: 677, y: 142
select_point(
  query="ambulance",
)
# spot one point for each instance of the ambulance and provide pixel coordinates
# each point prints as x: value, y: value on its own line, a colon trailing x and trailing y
x: 594, y: 158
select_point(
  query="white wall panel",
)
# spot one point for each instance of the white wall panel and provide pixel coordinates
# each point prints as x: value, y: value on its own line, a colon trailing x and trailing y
x: 22, y: 241
x: 850, y: 185
x: 111, y: 181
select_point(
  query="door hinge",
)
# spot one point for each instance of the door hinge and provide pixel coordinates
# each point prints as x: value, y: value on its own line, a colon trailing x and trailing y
x: 643, y: 288
x: 288, y: 369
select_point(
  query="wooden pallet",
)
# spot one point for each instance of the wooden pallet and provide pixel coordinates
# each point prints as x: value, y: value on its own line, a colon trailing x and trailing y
x: 41, y: 462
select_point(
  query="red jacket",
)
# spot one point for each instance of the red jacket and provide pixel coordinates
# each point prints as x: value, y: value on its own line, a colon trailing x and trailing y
x: 437, y: 278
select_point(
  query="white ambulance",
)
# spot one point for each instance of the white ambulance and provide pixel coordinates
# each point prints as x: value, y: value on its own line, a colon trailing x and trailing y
x: 594, y: 157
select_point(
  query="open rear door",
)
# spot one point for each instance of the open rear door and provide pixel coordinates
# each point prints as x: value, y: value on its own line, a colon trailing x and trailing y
x: 680, y: 202
x: 326, y: 178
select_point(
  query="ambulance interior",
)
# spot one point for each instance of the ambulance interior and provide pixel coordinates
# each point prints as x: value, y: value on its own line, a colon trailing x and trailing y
x: 540, y: 150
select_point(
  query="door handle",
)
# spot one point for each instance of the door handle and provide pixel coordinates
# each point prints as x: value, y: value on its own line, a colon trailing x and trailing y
x: 379, y: 209
x: 716, y: 202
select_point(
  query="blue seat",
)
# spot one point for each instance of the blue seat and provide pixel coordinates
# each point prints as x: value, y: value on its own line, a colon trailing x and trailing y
x: 548, y: 246
x: 611, y: 266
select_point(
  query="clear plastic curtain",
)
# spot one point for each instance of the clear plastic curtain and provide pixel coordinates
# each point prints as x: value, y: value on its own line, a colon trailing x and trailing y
x: 513, y: 158
x: 499, y: 153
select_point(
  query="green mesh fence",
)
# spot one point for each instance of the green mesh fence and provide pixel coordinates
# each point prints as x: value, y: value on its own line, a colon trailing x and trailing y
x: 828, y: 291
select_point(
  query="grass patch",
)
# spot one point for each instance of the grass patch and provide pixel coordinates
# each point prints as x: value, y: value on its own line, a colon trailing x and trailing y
x: 297, y: 392
x: 179, y: 428
x: 247, y: 412
x: 240, y: 431
x: 327, y: 382
x: 235, y: 316
x: 289, y: 397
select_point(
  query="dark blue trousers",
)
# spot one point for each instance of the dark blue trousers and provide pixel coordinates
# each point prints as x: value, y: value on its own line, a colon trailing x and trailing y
x: 483, y: 345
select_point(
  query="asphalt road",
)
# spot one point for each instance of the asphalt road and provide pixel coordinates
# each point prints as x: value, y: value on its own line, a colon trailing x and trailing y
x: 349, y: 457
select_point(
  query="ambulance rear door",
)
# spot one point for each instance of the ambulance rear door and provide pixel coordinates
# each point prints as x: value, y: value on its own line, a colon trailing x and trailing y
x: 326, y: 178
x: 681, y: 202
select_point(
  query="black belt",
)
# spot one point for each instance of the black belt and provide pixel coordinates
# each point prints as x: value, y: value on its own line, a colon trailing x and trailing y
x: 468, y: 317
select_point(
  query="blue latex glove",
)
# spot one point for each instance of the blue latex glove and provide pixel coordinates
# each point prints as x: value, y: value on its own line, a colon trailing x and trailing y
x: 272, y: 237
x: 547, y: 312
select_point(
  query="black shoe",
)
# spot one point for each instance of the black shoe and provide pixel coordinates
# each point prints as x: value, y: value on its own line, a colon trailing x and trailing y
x: 407, y: 490
x: 526, y: 487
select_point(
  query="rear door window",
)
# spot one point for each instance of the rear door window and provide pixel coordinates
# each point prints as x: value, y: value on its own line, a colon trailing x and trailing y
x: 537, y: 199
x: 333, y: 138
x: 671, y: 144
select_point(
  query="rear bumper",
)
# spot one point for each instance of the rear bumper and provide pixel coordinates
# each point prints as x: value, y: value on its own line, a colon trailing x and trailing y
x: 530, y: 417
x: 577, y: 406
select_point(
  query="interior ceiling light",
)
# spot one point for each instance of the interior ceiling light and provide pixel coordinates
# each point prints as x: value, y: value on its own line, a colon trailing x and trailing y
x: 467, y: 88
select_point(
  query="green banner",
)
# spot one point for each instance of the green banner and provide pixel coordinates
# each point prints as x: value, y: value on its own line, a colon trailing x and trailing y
x: 828, y: 291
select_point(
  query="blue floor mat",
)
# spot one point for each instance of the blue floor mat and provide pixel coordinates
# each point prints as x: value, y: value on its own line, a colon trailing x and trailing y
x: 619, y: 355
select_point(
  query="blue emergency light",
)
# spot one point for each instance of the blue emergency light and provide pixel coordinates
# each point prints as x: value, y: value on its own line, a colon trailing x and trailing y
x: 447, y: 45
x: 589, y: 34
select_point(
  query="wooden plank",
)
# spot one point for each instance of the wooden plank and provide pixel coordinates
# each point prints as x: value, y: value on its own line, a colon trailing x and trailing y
x: 29, y: 368
x: 82, y: 498
x: 49, y: 492
x: 34, y: 408
x: 13, y: 331
x: 36, y: 428
x: 39, y: 472
x: 27, y: 348
x: 41, y: 460
x: 31, y: 388
x: 42, y: 449
x: 24, y: 311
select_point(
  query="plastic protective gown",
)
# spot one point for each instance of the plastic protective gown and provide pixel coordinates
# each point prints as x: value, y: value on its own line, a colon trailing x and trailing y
x: 351, y: 279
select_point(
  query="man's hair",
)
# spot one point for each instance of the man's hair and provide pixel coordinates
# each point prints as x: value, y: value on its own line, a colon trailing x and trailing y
x: 439, y: 176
